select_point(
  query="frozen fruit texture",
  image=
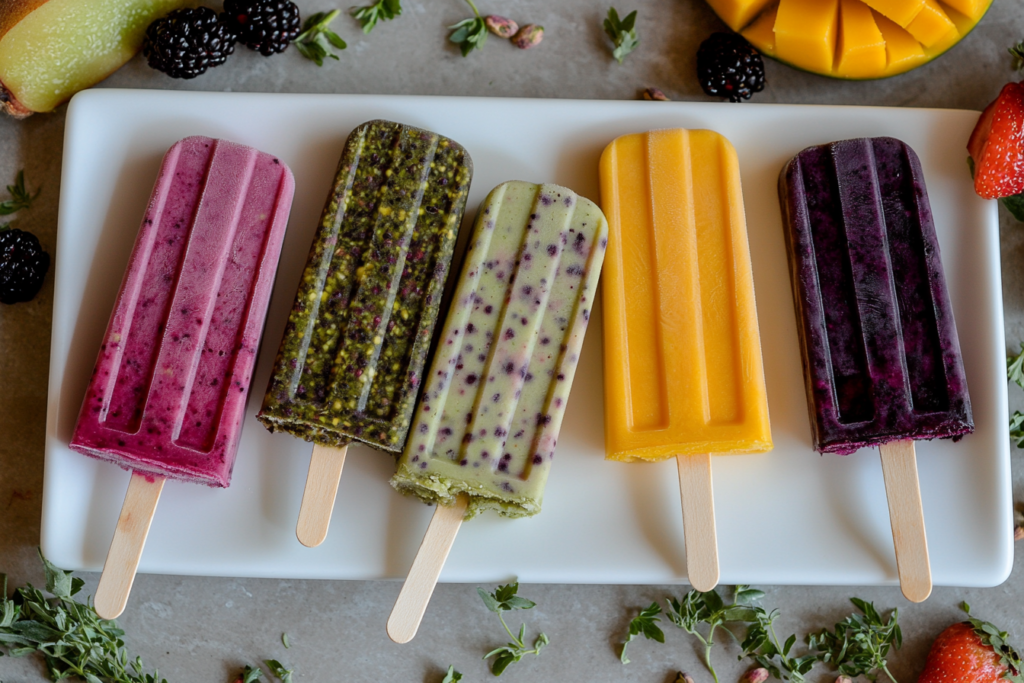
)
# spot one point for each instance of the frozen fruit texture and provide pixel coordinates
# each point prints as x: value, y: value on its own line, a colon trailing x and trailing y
x: 168, y: 394
x: 682, y: 352
x: 488, y: 420
x: 881, y: 354
x: 351, y: 360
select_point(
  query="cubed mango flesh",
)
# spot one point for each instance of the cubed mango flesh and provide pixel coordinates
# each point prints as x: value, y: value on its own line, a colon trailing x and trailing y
x: 861, y: 48
x: 900, y: 11
x: 972, y: 9
x: 931, y: 25
x: 737, y: 13
x: 902, y: 51
x: 761, y: 33
x: 836, y: 37
x: 805, y: 33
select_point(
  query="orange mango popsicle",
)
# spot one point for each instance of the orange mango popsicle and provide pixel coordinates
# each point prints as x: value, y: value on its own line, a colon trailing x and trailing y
x: 682, y: 359
x: 682, y: 354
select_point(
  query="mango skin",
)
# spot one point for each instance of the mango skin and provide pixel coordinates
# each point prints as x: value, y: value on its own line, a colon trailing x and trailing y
x: 43, y: 63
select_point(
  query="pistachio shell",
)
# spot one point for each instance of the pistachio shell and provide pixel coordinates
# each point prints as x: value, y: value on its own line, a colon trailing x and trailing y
x: 503, y: 27
x: 528, y: 36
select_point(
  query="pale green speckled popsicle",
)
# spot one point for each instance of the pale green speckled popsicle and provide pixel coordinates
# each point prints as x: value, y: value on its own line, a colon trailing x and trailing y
x: 488, y: 420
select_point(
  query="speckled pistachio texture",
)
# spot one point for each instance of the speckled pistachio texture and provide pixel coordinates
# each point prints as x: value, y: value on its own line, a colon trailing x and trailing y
x: 351, y: 361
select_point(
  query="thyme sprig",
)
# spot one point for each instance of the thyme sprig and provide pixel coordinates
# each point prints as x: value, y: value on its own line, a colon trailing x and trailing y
x: 381, y: 10
x: 504, y: 599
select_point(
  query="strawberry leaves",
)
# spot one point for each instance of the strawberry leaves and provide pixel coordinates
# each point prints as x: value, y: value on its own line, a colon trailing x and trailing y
x: 996, y: 639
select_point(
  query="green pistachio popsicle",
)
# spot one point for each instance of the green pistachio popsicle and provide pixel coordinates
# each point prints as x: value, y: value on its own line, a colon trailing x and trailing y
x: 351, y: 360
x: 488, y: 420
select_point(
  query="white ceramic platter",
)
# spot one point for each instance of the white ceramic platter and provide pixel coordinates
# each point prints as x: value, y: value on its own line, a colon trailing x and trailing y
x: 789, y: 516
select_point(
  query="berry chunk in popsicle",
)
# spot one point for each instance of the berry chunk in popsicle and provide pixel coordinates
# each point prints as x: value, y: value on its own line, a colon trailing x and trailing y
x: 682, y: 356
x: 167, y: 397
x: 350, y: 365
x: 881, y: 356
x: 487, y: 424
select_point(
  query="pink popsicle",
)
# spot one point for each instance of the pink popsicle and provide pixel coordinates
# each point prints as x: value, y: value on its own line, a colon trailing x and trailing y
x: 169, y: 390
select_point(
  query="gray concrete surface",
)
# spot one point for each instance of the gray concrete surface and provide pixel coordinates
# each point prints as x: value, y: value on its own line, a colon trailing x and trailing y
x: 205, y: 629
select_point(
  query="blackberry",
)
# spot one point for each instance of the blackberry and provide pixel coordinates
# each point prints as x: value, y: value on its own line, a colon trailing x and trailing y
x: 23, y: 265
x: 187, y: 42
x: 729, y: 66
x: 267, y: 26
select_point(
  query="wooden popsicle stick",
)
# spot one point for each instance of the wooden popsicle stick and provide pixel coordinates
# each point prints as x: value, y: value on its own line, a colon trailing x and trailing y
x: 899, y: 469
x: 698, y: 500
x: 419, y: 585
x: 126, y: 547
x: 318, y: 496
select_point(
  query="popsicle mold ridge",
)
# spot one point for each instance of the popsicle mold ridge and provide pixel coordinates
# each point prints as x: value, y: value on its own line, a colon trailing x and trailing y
x: 880, y: 350
x: 682, y: 352
x: 487, y: 423
x: 168, y: 393
x: 351, y: 360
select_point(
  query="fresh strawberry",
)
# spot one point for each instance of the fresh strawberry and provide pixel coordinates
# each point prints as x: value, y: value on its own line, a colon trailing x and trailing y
x: 997, y: 145
x: 972, y: 651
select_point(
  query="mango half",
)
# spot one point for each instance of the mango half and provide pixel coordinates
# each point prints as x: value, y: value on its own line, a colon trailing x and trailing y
x: 51, y: 49
x: 855, y: 39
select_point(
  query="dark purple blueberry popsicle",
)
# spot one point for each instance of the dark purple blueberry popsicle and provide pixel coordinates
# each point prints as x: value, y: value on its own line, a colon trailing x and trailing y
x: 880, y: 350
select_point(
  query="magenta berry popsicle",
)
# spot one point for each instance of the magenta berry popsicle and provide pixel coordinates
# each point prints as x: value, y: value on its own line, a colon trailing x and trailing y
x: 168, y: 394
x: 492, y: 406
x: 881, y: 355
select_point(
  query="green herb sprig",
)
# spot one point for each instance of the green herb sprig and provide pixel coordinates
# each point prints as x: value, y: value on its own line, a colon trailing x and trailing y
x: 452, y: 676
x: 644, y: 624
x: 369, y: 15
x: 73, y: 640
x: 764, y: 646
x: 1017, y: 428
x: 859, y: 644
x: 250, y: 674
x: 709, y: 609
x: 469, y: 34
x: 316, y: 39
x: 504, y: 599
x: 276, y: 668
x: 20, y: 199
x: 279, y: 670
x: 1015, y: 368
x: 622, y: 32
x: 1015, y: 373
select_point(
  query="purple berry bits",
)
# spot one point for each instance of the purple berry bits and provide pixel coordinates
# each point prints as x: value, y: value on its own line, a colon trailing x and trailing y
x: 880, y: 349
x: 533, y: 284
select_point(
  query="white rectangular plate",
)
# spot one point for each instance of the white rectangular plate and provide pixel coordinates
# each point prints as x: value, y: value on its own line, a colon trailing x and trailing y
x: 789, y: 516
